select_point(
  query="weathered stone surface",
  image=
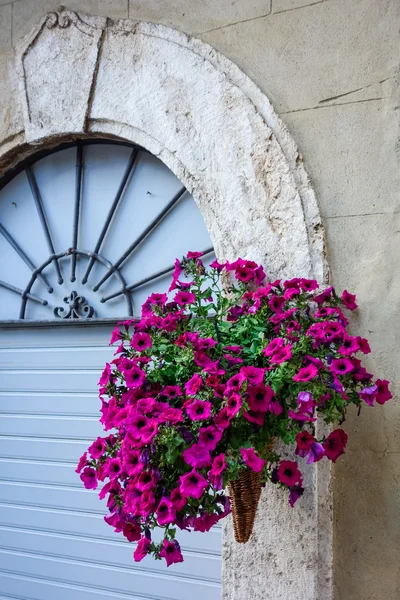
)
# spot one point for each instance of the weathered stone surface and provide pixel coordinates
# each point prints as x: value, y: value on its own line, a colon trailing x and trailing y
x: 284, y: 5
x: 355, y: 186
x: 5, y: 28
x: 11, y: 122
x: 302, y: 57
x: 26, y: 13
x: 366, y: 490
x: 58, y: 57
x: 199, y: 16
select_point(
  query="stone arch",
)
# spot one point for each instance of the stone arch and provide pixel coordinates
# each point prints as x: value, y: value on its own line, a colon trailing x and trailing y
x: 80, y: 76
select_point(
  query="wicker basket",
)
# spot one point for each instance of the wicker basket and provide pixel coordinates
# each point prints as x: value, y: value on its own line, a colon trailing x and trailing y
x: 245, y: 493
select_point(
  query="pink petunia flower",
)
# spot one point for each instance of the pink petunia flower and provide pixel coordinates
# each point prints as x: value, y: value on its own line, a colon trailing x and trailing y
x: 135, y: 377
x: 209, y: 437
x: 115, y: 335
x: 306, y: 373
x: 89, y: 478
x: 171, y: 552
x: 341, y: 366
x: 254, y: 416
x: 142, y: 549
x: 259, y: 398
x: 178, y: 499
x: 197, y: 456
x: 250, y: 458
x: 273, y: 346
x: 199, y: 409
x: 288, y: 473
x: 83, y: 462
x: 282, y: 355
x: 193, y: 385
x: 184, y: 298
x: 349, y: 300
x: 97, y: 448
x: 141, y: 341
x: 193, y: 484
x: 233, y: 404
x: 383, y: 394
x: 335, y: 444
x: 254, y: 375
x: 165, y: 512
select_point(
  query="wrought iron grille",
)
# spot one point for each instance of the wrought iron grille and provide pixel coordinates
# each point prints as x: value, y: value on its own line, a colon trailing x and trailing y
x: 76, y: 306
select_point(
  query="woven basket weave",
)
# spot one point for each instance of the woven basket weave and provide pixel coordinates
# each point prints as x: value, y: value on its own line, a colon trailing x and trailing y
x: 245, y: 493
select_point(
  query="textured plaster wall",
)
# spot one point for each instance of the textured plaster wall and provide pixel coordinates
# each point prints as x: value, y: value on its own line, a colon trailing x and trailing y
x: 332, y: 70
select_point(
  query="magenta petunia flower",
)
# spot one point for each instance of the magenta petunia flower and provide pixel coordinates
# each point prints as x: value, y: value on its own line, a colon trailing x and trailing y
x: 254, y: 375
x: 282, y: 355
x: 97, y: 448
x: 165, y: 512
x: 295, y: 492
x: 199, y: 409
x: 273, y: 346
x: 112, y: 468
x: 323, y: 296
x: 335, y: 444
x: 197, y: 456
x: 276, y: 304
x: 308, y: 285
x: 235, y: 382
x: 105, y: 376
x: 115, y: 335
x: 172, y: 391
x: 275, y: 407
x: 223, y: 419
x: 83, y: 462
x: 135, y: 377
x: 193, y: 385
x: 349, y: 300
x: 368, y: 394
x: 254, y: 416
x: 288, y: 473
x: 131, y: 531
x: 89, y: 478
x: 205, y: 522
x: 146, y: 481
x: 205, y: 343
x: 233, y: 404
x: 131, y: 462
x: 383, y: 394
x: 209, y: 437
x: 306, y: 373
x: 259, y: 397
x: 141, y: 341
x: 171, y: 552
x: 363, y: 345
x: 250, y: 458
x: 193, y: 484
x: 178, y: 499
x: 341, y: 366
x: 184, y: 298
x: 304, y: 441
x: 142, y: 549
x: 218, y: 465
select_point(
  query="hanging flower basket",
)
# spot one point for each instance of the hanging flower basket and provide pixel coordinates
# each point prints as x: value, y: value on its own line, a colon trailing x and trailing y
x: 244, y: 493
x: 203, y: 384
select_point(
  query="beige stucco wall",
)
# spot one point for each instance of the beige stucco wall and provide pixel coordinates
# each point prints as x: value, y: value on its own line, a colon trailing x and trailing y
x: 331, y: 68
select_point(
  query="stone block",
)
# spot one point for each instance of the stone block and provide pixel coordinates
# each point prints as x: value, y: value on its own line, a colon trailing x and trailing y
x: 5, y: 27
x: 302, y: 57
x: 347, y: 149
x: 26, y: 13
x: 198, y: 16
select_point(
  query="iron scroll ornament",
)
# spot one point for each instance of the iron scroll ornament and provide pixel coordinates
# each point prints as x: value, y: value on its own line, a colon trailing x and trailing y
x: 78, y: 308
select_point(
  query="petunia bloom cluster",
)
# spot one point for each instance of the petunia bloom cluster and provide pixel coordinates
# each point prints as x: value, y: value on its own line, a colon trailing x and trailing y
x: 204, y: 385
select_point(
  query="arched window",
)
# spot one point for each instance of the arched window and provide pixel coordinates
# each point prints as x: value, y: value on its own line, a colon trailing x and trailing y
x: 88, y: 230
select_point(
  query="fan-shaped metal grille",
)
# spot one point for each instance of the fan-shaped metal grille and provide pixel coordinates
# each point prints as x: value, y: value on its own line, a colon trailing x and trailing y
x: 88, y: 230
